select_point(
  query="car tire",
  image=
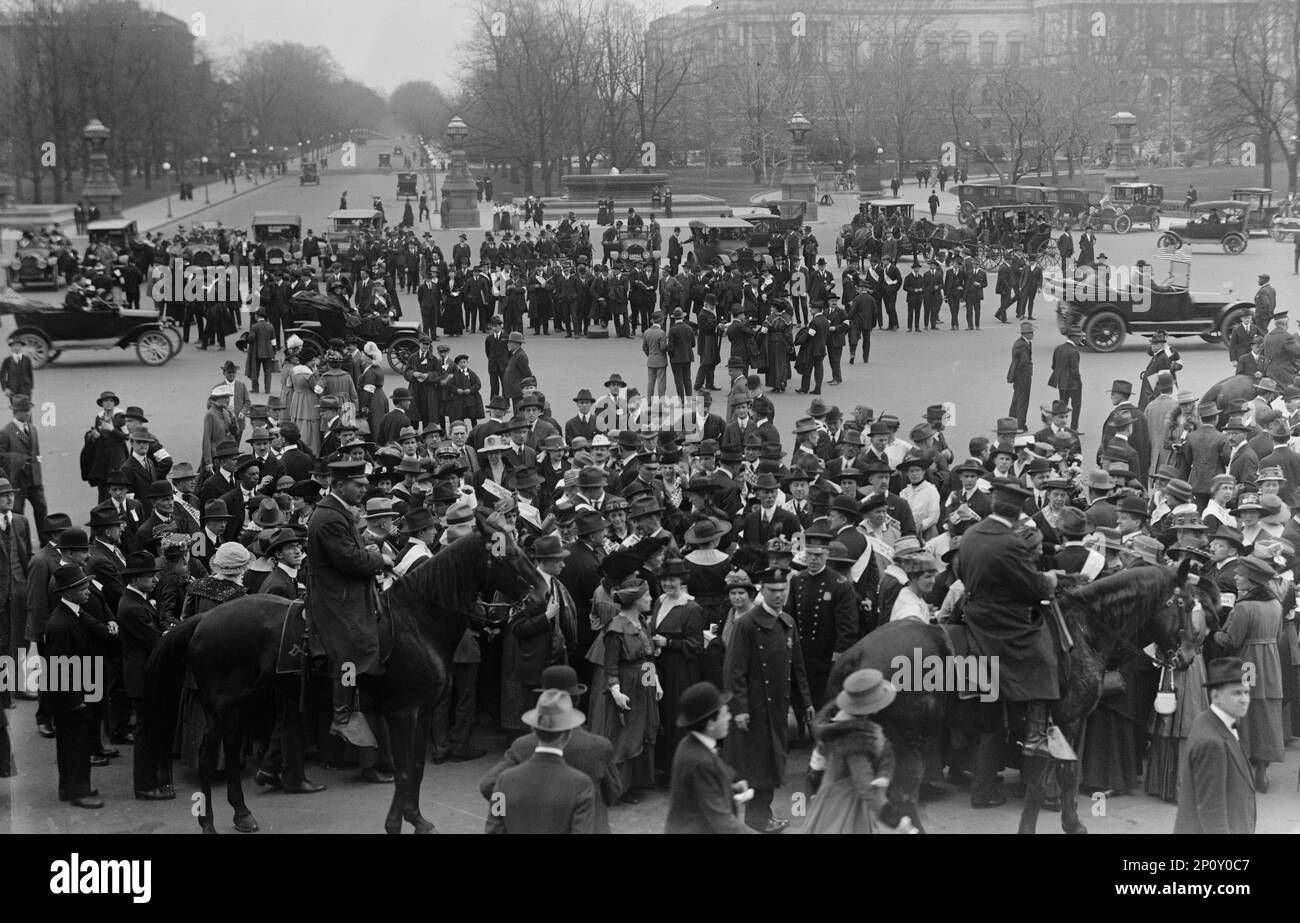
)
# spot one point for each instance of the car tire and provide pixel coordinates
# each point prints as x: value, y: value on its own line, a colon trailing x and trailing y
x: 154, y: 348
x: 1169, y: 240
x: 1278, y: 235
x: 1123, y: 224
x: 1233, y: 243
x: 1230, y: 320
x: 1155, y: 222
x: 397, y: 346
x: 37, y: 345
x: 1104, y: 332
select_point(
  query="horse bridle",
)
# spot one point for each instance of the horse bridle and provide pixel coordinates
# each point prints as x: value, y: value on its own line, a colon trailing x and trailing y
x: 511, y: 608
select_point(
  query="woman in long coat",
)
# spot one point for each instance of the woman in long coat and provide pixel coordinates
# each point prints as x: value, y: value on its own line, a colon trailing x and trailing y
x: 677, y: 631
x: 1251, y: 633
x: 859, y: 759
x: 374, y: 401
x: 464, y: 392
x: 1169, y: 733
x: 778, y: 344
x: 625, y: 687
x: 301, y: 406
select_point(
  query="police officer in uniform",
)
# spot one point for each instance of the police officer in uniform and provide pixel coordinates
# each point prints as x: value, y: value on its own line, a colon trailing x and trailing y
x: 825, y: 608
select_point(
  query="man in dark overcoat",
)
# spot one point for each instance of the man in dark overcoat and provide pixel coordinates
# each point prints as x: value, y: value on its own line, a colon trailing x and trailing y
x: 1216, y: 789
x: 1003, y: 590
x: 341, y: 595
x: 764, y: 656
x: 825, y: 609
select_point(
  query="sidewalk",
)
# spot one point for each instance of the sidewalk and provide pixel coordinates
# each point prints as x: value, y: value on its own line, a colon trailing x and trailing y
x: 153, y: 215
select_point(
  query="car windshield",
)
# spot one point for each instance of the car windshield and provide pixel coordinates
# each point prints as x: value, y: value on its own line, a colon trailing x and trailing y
x: 275, y: 231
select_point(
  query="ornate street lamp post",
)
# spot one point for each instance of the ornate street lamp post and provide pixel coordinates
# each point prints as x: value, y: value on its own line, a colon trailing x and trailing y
x: 798, y: 183
x: 458, y: 190
x: 100, y: 188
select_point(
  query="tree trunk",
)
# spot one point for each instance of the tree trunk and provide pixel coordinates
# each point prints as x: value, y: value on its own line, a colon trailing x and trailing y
x: 1265, y: 159
x: 36, y: 177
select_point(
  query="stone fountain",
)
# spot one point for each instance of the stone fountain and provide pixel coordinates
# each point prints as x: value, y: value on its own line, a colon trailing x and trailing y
x: 628, y: 190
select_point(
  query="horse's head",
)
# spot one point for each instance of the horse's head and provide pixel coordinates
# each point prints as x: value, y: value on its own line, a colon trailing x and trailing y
x: 508, y: 570
x: 1177, y: 624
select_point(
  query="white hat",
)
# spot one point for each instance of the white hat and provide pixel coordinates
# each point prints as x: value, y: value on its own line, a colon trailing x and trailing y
x: 294, y: 342
x: 231, y: 556
x: 224, y: 390
x: 600, y: 441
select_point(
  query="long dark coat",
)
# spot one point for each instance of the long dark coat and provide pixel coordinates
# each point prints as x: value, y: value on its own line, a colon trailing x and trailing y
x: 763, y: 655
x: 341, y: 588
x: 1003, y: 588
x: 678, y: 664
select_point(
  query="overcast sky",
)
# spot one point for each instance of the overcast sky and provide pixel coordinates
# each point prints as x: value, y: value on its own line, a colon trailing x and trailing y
x: 382, y: 43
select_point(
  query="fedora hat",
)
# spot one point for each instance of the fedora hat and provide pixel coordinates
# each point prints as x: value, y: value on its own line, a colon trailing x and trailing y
x: 1009, y: 426
x: 706, y: 530
x: 615, y: 379
x: 865, y: 693
x: 592, y: 476
x: 915, y: 461
x: 698, y: 702
x: 140, y: 562
x: 554, y: 712
x: 268, y: 515
x: 515, y: 337
x: 1145, y: 548
x: 846, y: 506
x: 67, y: 577
x: 1099, y: 480
x: 1223, y: 671
x: 548, y: 547
x: 583, y: 395
x: 589, y: 522
x: 103, y: 516
x: 215, y: 509
x: 279, y: 538
x: 1134, y: 506
x: 644, y: 506
x: 56, y: 523
x: 1074, y: 523
x: 180, y: 471
x: 971, y: 465
x: 527, y: 478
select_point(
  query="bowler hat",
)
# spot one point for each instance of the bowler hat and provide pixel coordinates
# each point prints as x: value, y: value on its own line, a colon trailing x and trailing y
x: 56, y: 523
x: 140, y: 562
x: 103, y: 516
x: 846, y: 506
x: 67, y: 577
x: 563, y: 678
x: 698, y: 702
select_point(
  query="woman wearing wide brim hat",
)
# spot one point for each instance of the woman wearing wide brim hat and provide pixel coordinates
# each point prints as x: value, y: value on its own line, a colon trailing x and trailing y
x: 859, y: 758
x: 677, y: 624
x: 1251, y: 633
x: 624, y: 703
x: 708, y: 566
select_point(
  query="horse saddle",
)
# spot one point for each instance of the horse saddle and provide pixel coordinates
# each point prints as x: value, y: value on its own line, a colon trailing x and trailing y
x: 294, y: 648
x: 959, y: 645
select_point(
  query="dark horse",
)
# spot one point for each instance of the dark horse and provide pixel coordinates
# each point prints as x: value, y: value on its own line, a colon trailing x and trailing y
x: 232, y: 651
x: 1125, y: 611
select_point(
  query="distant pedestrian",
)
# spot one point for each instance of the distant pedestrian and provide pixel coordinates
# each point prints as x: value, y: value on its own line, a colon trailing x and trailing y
x: 934, y: 205
x: 1020, y: 375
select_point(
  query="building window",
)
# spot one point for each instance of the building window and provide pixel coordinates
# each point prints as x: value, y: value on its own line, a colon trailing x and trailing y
x: 1214, y: 21
x: 986, y: 95
x: 988, y: 50
x: 931, y: 52
x: 1013, y: 54
x: 960, y: 51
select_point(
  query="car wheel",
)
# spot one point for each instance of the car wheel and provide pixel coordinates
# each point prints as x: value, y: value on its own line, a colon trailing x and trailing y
x: 967, y: 211
x: 1231, y: 320
x: 1104, y: 332
x: 1123, y: 224
x: 37, y: 346
x: 1155, y: 222
x: 1234, y: 244
x: 1169, y: 241
x: 153, y: 348
x: 1278, y: 235
x: 398, y: 349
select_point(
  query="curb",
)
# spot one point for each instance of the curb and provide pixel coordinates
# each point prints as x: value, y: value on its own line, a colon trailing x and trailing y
x: 203, y: 208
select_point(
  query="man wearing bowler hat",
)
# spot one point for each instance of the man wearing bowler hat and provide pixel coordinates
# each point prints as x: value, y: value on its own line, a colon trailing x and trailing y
x: 1020, y: 375
x: 140, y: 628
x: 1216, y: 789
x: 1121, y: 393
x: 767, y: 520
x: 583, y: 423
x: 68, y: 635
x: 517, y: 369
x: 590, y: 754
x: 544, y: 794
x: 1004, y: 588
x: 581, y: 577
x: 20, y: 454
x: 704, y: 793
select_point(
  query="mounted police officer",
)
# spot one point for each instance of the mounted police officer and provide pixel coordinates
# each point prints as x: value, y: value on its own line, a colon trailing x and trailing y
x: 342, y: 605
x: 1003, y: 589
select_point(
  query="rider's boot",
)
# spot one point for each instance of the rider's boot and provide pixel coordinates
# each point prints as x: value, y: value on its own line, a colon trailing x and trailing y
x: 1036, y: 730
x: 348, y: 723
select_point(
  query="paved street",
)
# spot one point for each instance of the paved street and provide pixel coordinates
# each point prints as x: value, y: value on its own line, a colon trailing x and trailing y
x: 906, y: 373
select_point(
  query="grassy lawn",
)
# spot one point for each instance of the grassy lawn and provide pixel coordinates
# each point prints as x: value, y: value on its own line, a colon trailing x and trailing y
x: 135, y: 194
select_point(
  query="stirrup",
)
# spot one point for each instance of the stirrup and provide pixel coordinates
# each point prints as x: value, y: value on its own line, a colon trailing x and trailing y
x: 1058, y: 746
x: 355, y: 731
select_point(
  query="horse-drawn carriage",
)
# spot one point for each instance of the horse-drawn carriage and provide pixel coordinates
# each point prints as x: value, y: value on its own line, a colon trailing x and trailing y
x: 316, y: 319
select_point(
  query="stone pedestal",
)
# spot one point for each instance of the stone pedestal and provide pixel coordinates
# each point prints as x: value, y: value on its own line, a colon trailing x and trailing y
x: 6, y: 190
x: 460, y: 193
x: 100, y: 188
x: 798, y: 182
x: 1121, y: 168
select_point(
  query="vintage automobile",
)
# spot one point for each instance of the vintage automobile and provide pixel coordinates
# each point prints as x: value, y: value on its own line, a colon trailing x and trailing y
x: 36, y: 259
x: 1022, y: 194
x: 1284, y: 226
x: 277, y: 236
x: 200, y: 247
x: 1224, y: 222
x: 1099, y: 306
x: 888, y: 210
x: 349, y: 221
x: 310, y: 174
x: 46, y: 330
x: 973, y: 196
x: 122, y: 234
x: 408, y: 184
x: 316, y: 319
x: 1263, y: 211
x: 386, y: 162
x: 1071, y: 206
x: 730, y: 240
x: 1127, y: 204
